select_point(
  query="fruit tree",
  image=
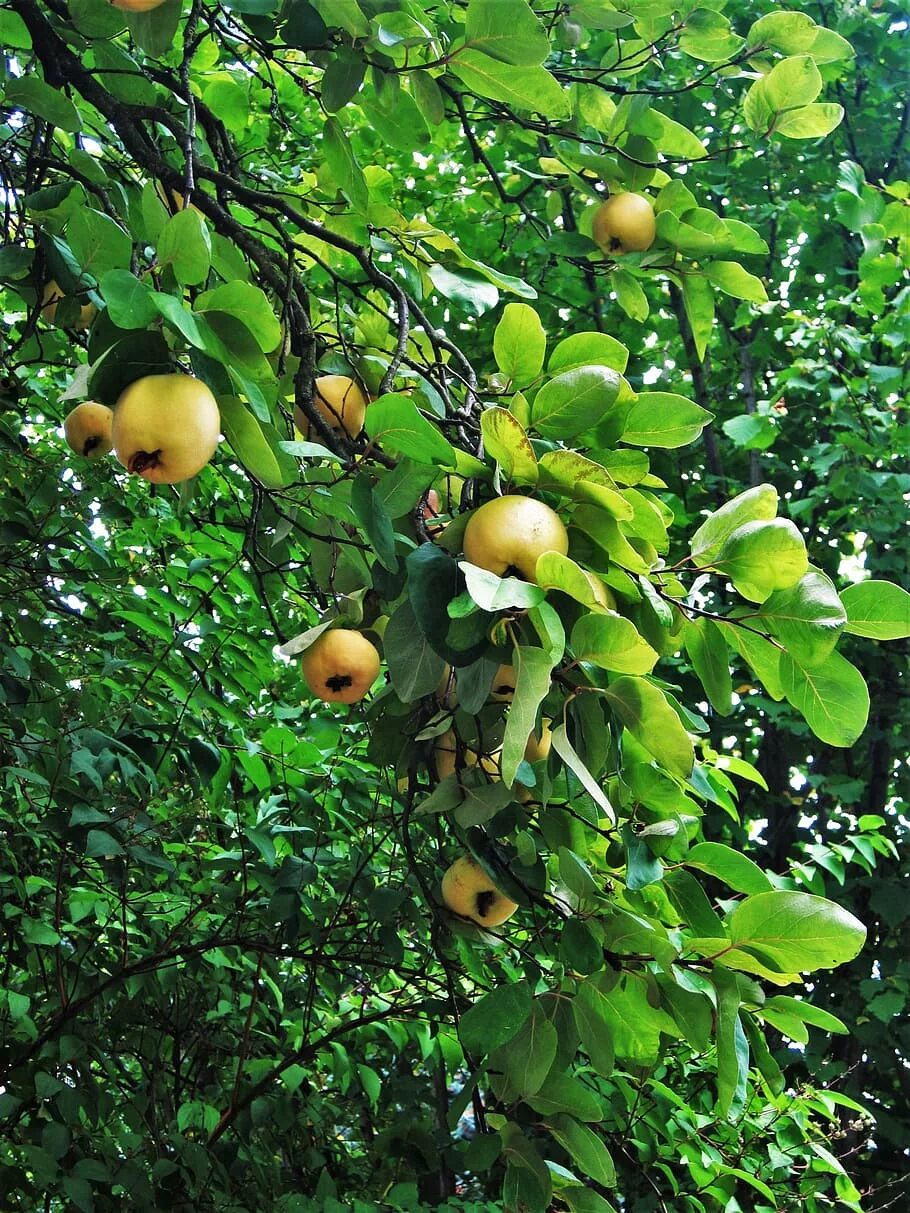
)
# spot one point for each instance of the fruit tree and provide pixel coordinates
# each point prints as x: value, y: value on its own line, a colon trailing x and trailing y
x: 452, y: 514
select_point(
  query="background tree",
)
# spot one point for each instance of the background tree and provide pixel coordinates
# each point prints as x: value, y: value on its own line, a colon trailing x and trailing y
x: 229, y: 980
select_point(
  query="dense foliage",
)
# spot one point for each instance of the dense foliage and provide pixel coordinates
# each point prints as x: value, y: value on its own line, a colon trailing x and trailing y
x: 230, y: 981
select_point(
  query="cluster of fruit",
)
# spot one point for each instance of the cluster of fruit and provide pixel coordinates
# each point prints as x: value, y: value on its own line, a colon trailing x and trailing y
x: 505, y: 536
x: 163, y: 427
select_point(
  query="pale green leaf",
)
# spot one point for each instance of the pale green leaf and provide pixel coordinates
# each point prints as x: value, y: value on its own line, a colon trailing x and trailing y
x: 796, y: 932
x: 832, y: 696
x: 877, y: 609
x: 763, y: 556
x: 663, y: 419
x: 644, y: 711
x: 519, y: 344
x: 527, y: 88
x: 508, y: 30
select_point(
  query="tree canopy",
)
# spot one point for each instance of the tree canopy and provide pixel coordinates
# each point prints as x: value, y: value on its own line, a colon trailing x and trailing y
x: 594, y: 897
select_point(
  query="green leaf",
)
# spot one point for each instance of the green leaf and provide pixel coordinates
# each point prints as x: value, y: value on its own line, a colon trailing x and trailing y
x: 433, y: 581
x: 594, y: 1025
x: 579, y: 950
x: 101, y: 845
x: 629, y: 294
x: 492, y: 593
x: 732, y: 279
x: 79, y: 1192
x: 707, y: 35
x: 691, y: 1011
x: 342, y: 79
x: 642, y: 866
x: 155, y: 31
x: 533, y: 668
x: 747, y: 1177
x: 761, y: 557
x: 527, y: 88
x: 13, y: 31
x: 557, y: 572
x: 762, y: 655
x: 402, y: 127
x: 806, y: 619
x: 732, y: 867
x: 566, y: 752
x: 587, y: 349
x: 505, y: 439
x: 613, y: 643
x: 522, y: 1191
x: 829, y: 47
x: 698, y: 298
x: 468, y: 287
x: 481, y: 801
x: 763, y: 1060
x: 796, y: 932
x: 128, y: 300
x: 507, y: 30
x: 343, y: 14
x: 606, y: 533
x: 248, y: 304
x: 34, y: 96
x: 548, y: 626
x: 184, y: 244
x: 663, y: 419
x: 38, y: 933
x: 811, y: 121
x: 18, y: 1005
x: 832, y: 696
x: 575, y: 401
x: 690, y: 240
x: 789, y: 33
x: 752, y: 431
x: 496, y: 1018
x: 732, y: 1046
x: 346, y: 172
x: 528, y: 1056
x: 585, y: 1200
x: 677, y: 140
x: 98, y: 243
x: 414, y: 668
x: 740, y: 238
x: 396, y: 422
x: 576, y: 876
x: 633, y: 1024
x: 805, y: 1011
x: 692, y: 903
x: 753, y: 505
x: 374, y: 521
x: 229, y: 100
x: 256, y: 445
x: 563, y: 1093
x: 527, y: 1187
x: 135, y: 355
x: 586, y: 1148
x: 792, y: 82
x: 584, y: 480
x: 710, y: 659
x: 644, y: 711
x: 878, y: 609
x: 429, y: 98
x: 519, y: 341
